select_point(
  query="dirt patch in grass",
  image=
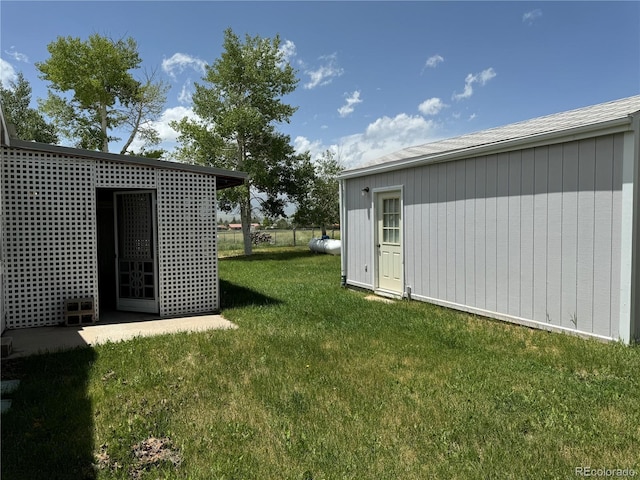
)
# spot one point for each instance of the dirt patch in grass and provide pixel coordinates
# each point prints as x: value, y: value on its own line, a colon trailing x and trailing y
x: 152, y: 452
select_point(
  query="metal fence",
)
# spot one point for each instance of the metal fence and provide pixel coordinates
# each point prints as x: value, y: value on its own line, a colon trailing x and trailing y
x: 232, y: 239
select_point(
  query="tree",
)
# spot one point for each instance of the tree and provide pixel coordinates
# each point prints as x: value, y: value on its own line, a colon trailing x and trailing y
x: 239, y: 105
x: 319, y: 204
x: 103, y: 94
x: 282, y: 224
x: 142, y: 110
x: 29, y: 123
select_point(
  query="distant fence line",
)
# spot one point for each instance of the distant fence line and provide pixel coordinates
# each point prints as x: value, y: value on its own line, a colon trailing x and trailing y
x: 231, y: 239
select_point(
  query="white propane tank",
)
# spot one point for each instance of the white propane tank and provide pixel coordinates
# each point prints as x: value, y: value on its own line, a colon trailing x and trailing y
x: 320, y: 245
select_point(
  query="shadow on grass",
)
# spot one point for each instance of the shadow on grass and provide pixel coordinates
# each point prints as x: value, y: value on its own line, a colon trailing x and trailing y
x: 48, y: 432
x: 232, y: 295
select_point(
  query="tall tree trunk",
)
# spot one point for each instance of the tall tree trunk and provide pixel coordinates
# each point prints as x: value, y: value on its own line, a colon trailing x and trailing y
x: 103, y: 125
x: 245, y: 201
x: 245, y: 220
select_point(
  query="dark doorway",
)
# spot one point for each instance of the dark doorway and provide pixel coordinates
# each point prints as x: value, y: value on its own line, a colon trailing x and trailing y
x: 106, y: 249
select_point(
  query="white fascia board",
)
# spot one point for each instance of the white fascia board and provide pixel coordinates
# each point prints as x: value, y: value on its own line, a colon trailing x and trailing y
x: 343, y: 229
x: 236, y: 177
x: 574, y: 134
x: 629, y: 219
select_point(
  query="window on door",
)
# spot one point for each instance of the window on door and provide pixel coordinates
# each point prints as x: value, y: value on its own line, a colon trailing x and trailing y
x: 391, y: 220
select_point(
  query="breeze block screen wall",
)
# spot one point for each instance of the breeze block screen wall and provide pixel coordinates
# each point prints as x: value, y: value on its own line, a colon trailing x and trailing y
x: 49, y: 235
x: 49, y: 244
x: 187, y: 243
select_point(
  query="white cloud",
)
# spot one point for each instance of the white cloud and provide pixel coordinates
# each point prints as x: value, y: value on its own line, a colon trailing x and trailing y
x: 468, y: 89
x: 179, y: 62
x: 17, y: 56
x: 7, y: 73
x: 471, y: 117
x: 168, y: 135
x: 288, y: 50
x: 185, y: 94
x: 324, y: 74
x: 352, y: 101
x: 170, y: 114
x: 481, y: 78
x: 433, y: 61
x: 487, y: 75
x: 532, y: 16
x: 387, y: 135
x: 383, y: 136
x: 431, y: 106
x: 303, y: 144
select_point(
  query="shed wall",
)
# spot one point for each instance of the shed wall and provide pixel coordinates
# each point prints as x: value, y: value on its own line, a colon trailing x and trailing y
x: 187, y: 243
x: 49, y: 227
x: 532, y: 234
x: 49, y: 241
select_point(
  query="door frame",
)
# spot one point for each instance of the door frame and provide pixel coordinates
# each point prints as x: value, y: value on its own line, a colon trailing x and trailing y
x: 376, y: 192
x: 138, y: 305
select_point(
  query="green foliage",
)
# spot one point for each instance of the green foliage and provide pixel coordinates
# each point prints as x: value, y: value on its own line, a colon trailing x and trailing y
x: 239, y: 104
x: 318, y: 204
x: 153, y: 153
x: 30, y: 125
x: 101, y: 94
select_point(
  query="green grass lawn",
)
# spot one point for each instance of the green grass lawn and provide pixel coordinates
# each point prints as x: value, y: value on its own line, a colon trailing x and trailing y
x: 319, y: 383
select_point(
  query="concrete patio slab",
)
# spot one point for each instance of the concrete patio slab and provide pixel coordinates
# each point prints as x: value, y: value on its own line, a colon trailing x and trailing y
x: 31, y: 341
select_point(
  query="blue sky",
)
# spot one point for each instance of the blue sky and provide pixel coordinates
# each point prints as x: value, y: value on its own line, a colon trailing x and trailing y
x: 374, y: 77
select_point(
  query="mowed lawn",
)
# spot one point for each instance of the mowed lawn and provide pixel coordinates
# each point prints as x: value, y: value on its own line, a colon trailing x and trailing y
x: 319, y: 383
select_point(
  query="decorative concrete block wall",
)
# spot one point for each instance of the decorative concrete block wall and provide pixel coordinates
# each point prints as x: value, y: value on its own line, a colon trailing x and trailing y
x: 49, y: 251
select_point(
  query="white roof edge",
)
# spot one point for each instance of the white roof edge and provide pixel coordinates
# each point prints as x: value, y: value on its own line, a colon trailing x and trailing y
x: 618, y: 124
x: 612, y: 126
x: 233, y: 177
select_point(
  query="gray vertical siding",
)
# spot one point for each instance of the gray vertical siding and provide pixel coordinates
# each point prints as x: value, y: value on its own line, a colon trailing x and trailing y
x: 554, y: 235
x: 527, y: 234
x: 541, y: 248
x: 481, y: 235
x: 531, y: 235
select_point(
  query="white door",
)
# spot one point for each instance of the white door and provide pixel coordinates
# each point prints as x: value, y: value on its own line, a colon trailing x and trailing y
x: 389, y: 241
x: 136, y: 266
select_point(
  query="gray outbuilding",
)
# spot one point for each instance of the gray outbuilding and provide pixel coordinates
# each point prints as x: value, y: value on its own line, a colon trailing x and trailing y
x: 534, y: 223
x: 86, y: 232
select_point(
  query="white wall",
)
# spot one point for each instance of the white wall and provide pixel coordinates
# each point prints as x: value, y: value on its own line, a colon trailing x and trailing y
x: 49, y: 219
x: 531, y: 235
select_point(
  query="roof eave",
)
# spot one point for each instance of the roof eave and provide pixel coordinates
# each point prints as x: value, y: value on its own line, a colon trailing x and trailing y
x: 577, y: 133
x: 225, y: 178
